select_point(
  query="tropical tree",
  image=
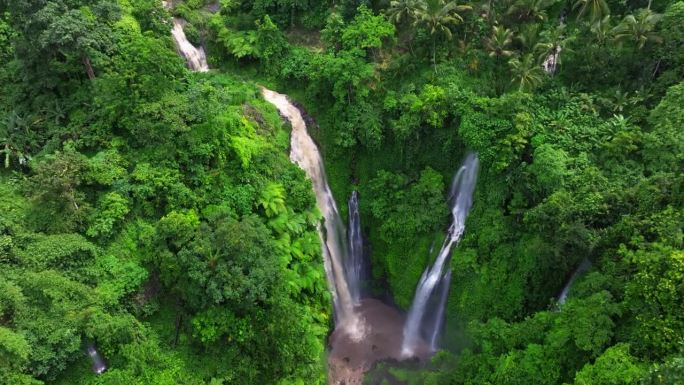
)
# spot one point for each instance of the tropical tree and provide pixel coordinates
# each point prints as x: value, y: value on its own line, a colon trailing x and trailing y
x: 527, y: 74
x: 528, y: 37
x: 595, y: 9
x: 638, y: 28
x: 528, y: 10
x: 13, y: 130
x: 552, y: 41
x: 602, y: 30
x: 437, y: 16
x: 401, y: 11
x: 499, y: 44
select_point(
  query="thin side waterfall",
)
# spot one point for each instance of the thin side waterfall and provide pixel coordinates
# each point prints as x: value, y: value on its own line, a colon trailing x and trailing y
x: 581, y: 269
x: 354, y: 264
x: 333, y: 238
x: 99, y: 365
x: 195, y: 58
x: 461, y: 200
x: 552, y: 60
x: 436, y: 329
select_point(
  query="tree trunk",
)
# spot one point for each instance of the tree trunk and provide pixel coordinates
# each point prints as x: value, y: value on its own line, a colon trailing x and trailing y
x: 89, y: 68
x: 179, y: 322
x: 434, y: 49
x: 7, y: 155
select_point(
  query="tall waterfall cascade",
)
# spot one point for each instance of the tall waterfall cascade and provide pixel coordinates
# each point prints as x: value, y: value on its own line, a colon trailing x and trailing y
x: 305, y: 154
x: 461, y: 200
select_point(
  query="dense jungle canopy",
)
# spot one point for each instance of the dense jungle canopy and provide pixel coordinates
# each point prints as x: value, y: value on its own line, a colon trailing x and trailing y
x: 152, y: 211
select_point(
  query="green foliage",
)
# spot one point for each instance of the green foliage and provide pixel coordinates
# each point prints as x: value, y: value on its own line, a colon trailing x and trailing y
x: 397, y: 202
x: 655, y: 293
x: 112, y: 209
x: 594, y: 9
x: 614, y: 367
x: 664, y: 146
x: 367, y: 31
x: 154, y: 211
x: 59, y: 205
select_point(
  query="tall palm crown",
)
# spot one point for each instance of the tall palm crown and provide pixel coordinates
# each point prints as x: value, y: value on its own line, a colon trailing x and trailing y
x: 499, y: 43
x: 602, y: 30
x: 551, y: 40
x: 527, y: 10
x: 402, y: 10
x: 638, y: 28
x: 595, y: 9
x: 437, y: 15
x: 527, y: 74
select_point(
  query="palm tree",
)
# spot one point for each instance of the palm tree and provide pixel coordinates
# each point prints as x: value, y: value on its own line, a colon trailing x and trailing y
x: 596, y: 9
x: 11, y: 127
x: 400, y: 11
x: 403, y: 12
x: 602, y: 30
x: 498, y: 46
x: 552, y: 41
x: 487, y: 10
x: 527, y: 10
x: 528, y: 37
x: 638, y: 28
x: 437, y: 16
x: 527, y: 74
x: 499, y: 43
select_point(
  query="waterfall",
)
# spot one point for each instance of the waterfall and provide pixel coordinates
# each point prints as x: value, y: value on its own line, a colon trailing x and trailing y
x: 436, y: 329
x: 195, y: 57
x: 354, y: 264
x: 581, y: 269
x: 305, y: 154
x: 461, y: 200
x: 99, y: 365
x: 552, y: 60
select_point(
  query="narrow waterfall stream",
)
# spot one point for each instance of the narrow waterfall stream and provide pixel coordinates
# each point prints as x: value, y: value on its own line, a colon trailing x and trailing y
x: 581, y: 269
x: 461, y: 198
x: 438, y: 322
x: 99, y: 366
x: 354, y: 264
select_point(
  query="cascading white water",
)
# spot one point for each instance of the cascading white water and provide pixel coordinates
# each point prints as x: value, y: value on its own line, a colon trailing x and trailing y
x: 581, y: 269
x: 436, y: 327
x: 551, y: 62
x: 195, y: 57
x: 461, y: 199
x: 305, y: 154
x: 354, y: 263
x: 99, y: 365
